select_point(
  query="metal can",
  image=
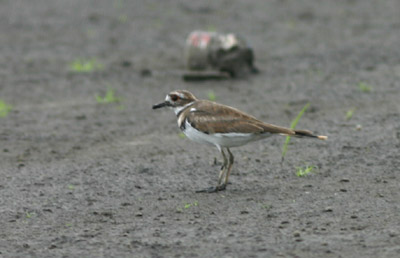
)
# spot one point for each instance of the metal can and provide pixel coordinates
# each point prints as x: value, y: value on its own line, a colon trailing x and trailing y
x: 212, y: 51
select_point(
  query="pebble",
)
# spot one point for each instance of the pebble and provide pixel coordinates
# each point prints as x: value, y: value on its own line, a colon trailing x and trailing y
x: 126, y: 63
x: 145, y: 72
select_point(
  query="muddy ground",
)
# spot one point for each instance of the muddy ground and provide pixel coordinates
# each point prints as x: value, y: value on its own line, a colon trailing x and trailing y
x: 80, y: 178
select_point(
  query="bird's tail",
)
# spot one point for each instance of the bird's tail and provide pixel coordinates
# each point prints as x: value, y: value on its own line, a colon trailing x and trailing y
x: 305, y: 133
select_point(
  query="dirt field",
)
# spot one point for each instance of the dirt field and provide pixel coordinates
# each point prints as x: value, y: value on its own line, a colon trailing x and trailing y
x: 79, y: 178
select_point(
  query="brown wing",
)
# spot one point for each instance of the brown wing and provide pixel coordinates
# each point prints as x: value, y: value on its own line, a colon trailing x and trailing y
x: 211, y: 117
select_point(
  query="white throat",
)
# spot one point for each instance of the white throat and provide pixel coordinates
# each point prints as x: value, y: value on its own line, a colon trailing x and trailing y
x: 179, y: 109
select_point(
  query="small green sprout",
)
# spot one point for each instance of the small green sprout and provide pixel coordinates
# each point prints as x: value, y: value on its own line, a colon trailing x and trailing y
x: 4, y: 108
x: 291, y: 24
x: 118, y: 4
x: 349, y: 113
x: 122, y: 18
x: 108, y: 98
x: 211, y: 95
x: 364, y: 87
x: 266, y: 206
x: 301, y: 172
x: 71, y: 187
x: 182, y: 135
x: 85, y: 66
x: 212, y: 28
x: 186, y: 206
x: 91, y: 33
x: 293, y: 126
x: 29, y: 214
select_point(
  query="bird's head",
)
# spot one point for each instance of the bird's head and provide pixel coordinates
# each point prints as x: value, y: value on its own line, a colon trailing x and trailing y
x: 177, y: 100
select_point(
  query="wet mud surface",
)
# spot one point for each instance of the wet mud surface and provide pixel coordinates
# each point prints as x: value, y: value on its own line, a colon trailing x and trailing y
x: 79, y: 178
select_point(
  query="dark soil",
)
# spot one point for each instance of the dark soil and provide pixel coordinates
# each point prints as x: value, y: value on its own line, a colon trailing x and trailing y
x: 85, y: 179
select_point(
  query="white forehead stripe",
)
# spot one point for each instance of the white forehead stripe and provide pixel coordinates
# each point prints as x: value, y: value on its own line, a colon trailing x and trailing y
x: 181, y: 95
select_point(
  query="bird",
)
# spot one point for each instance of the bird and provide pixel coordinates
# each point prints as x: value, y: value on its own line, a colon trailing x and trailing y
x: 222, y: 126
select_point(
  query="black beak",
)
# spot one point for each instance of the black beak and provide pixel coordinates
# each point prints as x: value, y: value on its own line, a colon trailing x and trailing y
x: 163, y: 104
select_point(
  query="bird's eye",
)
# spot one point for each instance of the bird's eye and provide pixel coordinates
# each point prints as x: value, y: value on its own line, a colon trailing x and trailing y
x: 174, y: 97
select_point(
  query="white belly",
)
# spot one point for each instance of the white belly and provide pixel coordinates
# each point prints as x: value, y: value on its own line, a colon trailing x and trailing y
x: 224, y: 140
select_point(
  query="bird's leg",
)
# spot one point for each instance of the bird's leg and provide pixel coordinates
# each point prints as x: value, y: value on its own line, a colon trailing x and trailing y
x: 223, y: 171
x: 223, y: 168
x: 228, y: 170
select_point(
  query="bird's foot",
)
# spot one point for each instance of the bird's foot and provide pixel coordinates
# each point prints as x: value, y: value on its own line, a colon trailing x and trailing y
x: 213, y: 189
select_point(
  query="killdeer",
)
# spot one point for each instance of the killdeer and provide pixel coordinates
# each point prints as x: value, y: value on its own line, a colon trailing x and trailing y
x: 211, y: 123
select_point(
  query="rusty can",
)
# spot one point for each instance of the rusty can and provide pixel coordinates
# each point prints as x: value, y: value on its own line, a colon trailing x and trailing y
x: 215, y: 52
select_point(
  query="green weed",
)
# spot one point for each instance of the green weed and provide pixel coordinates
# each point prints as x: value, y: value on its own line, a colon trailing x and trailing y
x: 108, y: 98
x: 187, y: 206
x: 122, y: 18
x: 4, y: 108
x: 291, y: 24
x: 71, y: 187
x: 315, y: 72
x: 182, y: 135
x: 118, y: 4
x: 85, y: 66
x: 212, y: 28
x: 364, y: 87
x: 300, y: 172
x: 29, y: 215
x: 350, y: 113
x: 91, y: 33
x: 293, y: 126
x: 266, y: 206
x: 211, y: 95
